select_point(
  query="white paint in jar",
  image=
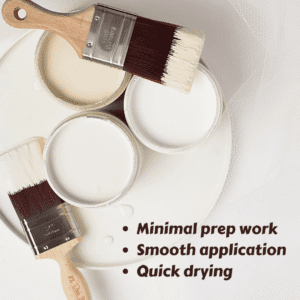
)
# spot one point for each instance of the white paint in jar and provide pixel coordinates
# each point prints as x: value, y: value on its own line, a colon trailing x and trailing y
x: 169, y: 121
x: 90, y: 159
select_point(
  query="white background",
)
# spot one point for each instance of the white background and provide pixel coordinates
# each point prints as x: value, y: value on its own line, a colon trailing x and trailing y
x: 253, y: 48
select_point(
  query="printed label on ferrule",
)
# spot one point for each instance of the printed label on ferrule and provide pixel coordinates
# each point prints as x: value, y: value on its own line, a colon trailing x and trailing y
x: 109, y: 36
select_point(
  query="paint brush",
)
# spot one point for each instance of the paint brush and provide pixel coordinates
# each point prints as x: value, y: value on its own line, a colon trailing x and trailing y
x: 47, y: 220
x: 161, y: 52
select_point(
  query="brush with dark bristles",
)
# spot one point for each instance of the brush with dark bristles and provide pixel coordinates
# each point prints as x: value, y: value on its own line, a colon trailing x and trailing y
x: 47, y: 220
x: 164, y: 53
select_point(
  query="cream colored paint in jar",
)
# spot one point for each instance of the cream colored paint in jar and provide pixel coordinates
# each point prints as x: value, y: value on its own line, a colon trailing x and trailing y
x: 74, y: 82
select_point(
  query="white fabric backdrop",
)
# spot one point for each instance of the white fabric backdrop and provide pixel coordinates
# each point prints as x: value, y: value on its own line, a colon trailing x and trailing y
x: 253, y: 47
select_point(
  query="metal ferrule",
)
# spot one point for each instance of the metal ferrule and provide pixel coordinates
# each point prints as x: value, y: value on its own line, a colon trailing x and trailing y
x: 109, y: 36
x: 50, y: 229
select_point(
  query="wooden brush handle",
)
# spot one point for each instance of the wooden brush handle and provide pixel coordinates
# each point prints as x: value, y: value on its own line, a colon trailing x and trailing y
x: 74, y: 284
x: 73, y: 27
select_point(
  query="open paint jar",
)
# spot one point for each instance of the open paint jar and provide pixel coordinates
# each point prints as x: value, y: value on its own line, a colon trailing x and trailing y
x: 91, y: 159
x: 169, y: 121
x: 76, y: 83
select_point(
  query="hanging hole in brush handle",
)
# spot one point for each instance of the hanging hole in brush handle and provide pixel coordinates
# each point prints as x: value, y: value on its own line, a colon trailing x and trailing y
x: 26, y: 14
x: 73, y: 27
x: 20, y: 14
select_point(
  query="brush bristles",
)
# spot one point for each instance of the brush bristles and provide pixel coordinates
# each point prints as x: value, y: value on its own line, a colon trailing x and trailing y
x: 28, y: 189
x: 164, y: 53
x: 183, y: 60
x: 34, y: 200
x: 25, y: 165
x: 149, y: 48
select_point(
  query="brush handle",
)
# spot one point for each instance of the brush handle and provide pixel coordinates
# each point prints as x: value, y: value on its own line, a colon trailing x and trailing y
x: 74, y: 284
x: 73, y: 27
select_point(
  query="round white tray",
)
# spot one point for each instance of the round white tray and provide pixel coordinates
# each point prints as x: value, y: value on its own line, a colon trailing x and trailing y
x: 180, y: 189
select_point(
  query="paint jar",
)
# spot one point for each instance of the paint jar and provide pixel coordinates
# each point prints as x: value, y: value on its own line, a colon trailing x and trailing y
x: 73, y: 82
x: 91, y: 159
x: 169, y: 121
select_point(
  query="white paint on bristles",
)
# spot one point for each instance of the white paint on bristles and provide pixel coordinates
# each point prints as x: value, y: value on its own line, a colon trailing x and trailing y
x: 24, y: 165
x: 183, y: 59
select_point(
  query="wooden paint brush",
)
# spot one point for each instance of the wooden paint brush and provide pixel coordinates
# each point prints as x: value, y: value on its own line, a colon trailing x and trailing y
x: 47, y: 220
x: 161, y: 52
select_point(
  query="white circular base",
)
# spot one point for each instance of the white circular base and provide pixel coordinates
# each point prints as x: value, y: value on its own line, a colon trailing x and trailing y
x: 179, y: 189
